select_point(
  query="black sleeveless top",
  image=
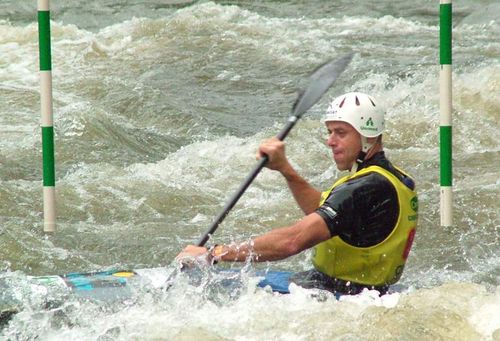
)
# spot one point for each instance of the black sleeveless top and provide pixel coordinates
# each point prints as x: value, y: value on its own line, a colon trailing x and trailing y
x: 363, y: 211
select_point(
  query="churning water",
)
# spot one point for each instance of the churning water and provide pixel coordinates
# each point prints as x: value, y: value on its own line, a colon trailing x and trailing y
x: 159, y: 108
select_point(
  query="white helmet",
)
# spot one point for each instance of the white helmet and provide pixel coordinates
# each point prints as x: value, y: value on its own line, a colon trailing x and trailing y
x: 360, y: 111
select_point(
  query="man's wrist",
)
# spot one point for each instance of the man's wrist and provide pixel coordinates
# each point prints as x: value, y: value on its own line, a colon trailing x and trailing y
x: 289, y: 173
x: 215, y: 253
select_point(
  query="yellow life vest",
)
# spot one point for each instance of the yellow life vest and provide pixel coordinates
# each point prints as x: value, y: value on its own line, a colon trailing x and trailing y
x: 379, y: 264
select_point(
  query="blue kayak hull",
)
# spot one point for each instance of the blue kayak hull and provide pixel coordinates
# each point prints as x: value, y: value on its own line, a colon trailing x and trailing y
x: 118, y: 285
x: 87, y: 284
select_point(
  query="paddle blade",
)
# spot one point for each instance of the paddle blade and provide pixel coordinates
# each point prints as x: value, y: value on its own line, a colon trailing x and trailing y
x: 320, y: 81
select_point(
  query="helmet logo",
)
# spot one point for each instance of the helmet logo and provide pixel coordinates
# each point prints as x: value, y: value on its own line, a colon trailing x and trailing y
x: 369, y: 125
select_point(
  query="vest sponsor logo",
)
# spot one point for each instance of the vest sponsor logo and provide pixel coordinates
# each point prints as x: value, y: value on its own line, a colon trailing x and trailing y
x: 409, y: 243
x: 414, y: 204
x: 397, y: 274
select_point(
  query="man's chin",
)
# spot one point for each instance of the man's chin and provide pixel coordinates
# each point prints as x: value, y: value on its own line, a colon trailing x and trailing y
x: 341, y: 167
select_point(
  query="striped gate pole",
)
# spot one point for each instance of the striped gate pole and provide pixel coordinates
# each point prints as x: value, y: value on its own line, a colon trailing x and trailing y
x: 49, y: 194
x: 445, y: 108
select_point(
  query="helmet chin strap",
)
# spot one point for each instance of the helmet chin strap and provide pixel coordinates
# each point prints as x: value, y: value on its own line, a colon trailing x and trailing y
x: 365, y: 147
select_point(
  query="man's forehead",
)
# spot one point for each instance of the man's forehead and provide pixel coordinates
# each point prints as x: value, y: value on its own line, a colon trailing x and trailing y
x: 333, y: 125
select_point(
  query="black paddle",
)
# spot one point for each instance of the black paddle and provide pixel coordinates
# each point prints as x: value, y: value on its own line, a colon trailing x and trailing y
x: 319, y: 82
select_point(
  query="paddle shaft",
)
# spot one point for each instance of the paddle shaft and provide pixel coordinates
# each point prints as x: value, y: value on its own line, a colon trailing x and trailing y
x: 248, y: 180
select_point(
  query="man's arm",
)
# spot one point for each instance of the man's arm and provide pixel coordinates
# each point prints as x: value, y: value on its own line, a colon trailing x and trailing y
x: 274, y: 245
x: 306, y: 196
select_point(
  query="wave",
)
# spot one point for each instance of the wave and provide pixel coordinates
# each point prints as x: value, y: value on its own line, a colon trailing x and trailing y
x: 485, y: 15
x: 458, y: 311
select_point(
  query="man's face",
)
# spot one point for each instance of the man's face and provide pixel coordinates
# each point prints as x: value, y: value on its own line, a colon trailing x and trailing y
x: 345, y: 143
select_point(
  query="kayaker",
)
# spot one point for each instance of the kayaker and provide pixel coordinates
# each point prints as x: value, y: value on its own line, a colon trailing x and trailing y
x: 361, y: 229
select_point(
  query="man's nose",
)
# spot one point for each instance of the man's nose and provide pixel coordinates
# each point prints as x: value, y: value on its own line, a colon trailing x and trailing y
x: 331, y: 140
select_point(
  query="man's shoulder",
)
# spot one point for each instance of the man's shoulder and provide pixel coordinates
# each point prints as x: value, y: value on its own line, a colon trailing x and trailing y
x: 370, y: 179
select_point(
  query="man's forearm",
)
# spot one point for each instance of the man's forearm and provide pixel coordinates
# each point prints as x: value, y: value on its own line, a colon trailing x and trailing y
x: 272, y: 246
x: 306, y: 196
x: 277, y: 244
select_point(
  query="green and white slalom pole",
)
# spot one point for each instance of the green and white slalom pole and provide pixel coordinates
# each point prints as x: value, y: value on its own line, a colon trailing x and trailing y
x: 445, y: 105
x: 49, y: 194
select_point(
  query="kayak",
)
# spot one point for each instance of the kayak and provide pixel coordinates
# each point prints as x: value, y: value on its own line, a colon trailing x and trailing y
x: 118, y: 285
x: 103, y: 284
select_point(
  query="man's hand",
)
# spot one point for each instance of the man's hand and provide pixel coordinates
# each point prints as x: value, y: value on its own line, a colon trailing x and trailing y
x: 275, y: 150
x: 193, y: 255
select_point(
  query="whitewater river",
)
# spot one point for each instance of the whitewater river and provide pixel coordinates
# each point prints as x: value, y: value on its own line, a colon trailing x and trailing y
x: 159, y: 107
